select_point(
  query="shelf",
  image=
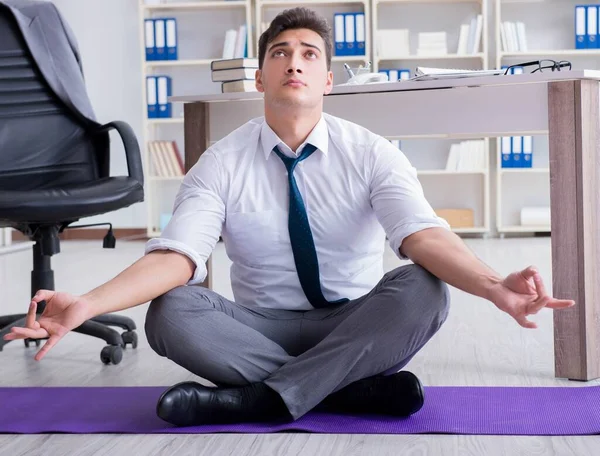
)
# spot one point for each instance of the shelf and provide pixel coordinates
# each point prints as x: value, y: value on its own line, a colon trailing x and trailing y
x: 438, y: 172
x: 524, y: 229
x: 311, y: 2
x: 475, y: 229
x: 177, y: 120
x: 16, y: 247
x: 168, y: 178
x: 433, y: 57
x: 524, y: 170
x: 195, y: 5
x: 557, y: 52
x: 429, y: 1
x: 163, y: 63
x: 349, y: 58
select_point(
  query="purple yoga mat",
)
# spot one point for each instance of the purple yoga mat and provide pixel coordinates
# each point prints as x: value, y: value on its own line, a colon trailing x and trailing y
x: 449, y: 410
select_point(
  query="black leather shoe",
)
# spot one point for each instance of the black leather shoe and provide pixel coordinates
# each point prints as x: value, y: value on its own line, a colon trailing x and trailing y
x: 400, y: 394
x: 193, y: 404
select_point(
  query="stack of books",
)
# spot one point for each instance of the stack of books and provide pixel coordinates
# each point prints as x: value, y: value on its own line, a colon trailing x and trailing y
x: 165, y: 159
x: 467, y: 156
x: 513, y: 37
x: 235, y: 75
x: 235, y: 44
x: 469, y: 38
x: 432, y: 43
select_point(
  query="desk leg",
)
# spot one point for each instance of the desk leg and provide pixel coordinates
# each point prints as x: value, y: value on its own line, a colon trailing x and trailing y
x: 574, y: 136
x: 196, y: 132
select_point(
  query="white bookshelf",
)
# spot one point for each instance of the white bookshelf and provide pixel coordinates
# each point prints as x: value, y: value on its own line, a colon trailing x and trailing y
x: 448, y: 189
x: 265, y: 12
x: 6, y: 244
x: 191, y: 74
x: 429, y: 16
x: 521, y: 187
x: 201, y: 27
x: 549, y: 31
x: 451, y: 189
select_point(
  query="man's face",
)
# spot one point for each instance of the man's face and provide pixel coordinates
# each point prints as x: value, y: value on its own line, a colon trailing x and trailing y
x: 294, y: 72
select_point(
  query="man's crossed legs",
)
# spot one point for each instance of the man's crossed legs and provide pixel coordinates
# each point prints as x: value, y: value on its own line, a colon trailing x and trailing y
x: 271, y: 364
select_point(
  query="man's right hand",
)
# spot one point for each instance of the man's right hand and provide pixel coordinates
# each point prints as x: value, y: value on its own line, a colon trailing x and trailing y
x: 63, y: 313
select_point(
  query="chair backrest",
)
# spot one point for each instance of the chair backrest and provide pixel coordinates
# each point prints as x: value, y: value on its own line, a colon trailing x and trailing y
x: 42, y: 144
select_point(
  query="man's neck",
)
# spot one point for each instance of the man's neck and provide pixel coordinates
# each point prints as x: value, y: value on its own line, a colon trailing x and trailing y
x: 293, y: 127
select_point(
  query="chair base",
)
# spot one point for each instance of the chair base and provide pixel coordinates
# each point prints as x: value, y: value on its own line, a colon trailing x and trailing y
x: 42, y: 277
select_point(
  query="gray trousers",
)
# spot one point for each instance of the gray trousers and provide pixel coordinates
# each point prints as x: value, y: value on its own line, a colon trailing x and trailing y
x: 303, y: 355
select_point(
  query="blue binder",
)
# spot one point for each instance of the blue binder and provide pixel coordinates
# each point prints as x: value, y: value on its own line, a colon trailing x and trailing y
x: 360, y: 33
x: 339, y: 35
x: 527, y: 151
x: 350, y: 33
x: 171, y: 38
x: 506, y: 151
x: 591, y: 26
x: 163, y: 92
x: 152, y: 97
x: 149, y: 39
x: 159, y: 39
x: 580, y: 26
x: 517, y: 152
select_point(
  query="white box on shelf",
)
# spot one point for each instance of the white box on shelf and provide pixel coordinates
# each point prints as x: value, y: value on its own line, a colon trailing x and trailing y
x: 393, y: 42
x: 535, y: 216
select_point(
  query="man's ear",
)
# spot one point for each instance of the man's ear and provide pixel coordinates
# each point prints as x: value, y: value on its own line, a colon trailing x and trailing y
x: 258, y: 81
x: 329, y: 85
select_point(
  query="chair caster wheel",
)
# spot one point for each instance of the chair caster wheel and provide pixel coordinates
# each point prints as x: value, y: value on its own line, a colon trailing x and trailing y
x: 111, y: 354
x: 130, y: 337
x: 28, y: 341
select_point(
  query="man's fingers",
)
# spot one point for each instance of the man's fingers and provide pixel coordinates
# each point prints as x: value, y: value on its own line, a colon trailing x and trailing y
x: 529, y: 272
x: 25, y: 333
x: 560, y: 303
x: 525, y: 323
x: 30, y: 320
x: 51, y: 342
x: 43, y: 295
x: 539, y: 285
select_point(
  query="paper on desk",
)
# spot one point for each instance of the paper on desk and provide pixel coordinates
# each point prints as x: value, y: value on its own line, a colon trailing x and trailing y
x: 427, y: 73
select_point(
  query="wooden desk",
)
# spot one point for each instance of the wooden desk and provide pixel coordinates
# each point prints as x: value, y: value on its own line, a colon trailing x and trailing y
x: 564, y: 105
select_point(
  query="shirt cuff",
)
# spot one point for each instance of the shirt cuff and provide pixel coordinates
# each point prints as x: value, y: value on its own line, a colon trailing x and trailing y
x: 411, y: 228
x: 200, y: 272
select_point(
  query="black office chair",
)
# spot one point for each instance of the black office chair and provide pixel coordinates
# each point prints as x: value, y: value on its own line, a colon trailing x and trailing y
x: 54, y: 170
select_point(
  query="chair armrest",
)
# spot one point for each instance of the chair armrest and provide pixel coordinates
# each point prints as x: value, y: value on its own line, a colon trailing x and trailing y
x: 131, y: 145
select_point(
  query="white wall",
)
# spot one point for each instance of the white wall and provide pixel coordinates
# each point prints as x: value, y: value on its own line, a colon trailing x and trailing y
x: 108, y: 36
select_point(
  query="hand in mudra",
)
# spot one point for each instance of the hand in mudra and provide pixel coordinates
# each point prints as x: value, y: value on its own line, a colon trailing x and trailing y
x: 63, y: 313
x: 522, y: 293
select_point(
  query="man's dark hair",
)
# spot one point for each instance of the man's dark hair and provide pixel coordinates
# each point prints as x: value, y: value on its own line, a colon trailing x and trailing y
x: 296, y: 18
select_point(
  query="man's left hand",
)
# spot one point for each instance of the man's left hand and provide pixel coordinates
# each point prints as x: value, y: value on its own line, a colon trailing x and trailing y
x: 523, y: 293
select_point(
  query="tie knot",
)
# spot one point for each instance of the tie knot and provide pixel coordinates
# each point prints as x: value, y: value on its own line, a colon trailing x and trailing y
x: 290, y: 162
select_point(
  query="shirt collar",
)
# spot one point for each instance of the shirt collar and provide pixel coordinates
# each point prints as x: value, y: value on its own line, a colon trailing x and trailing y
x: 318, y: 137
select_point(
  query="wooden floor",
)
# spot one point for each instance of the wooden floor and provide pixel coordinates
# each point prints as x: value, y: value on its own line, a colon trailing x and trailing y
x: 478, y: 345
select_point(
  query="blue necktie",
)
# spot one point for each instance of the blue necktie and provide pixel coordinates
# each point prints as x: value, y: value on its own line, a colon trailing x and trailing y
x: 303, y: 245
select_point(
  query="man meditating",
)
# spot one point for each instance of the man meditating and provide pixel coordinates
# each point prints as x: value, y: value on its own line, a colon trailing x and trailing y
x: 304, y: 202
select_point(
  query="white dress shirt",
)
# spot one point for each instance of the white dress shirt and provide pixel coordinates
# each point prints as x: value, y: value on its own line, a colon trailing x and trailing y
x: 357, y: 188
